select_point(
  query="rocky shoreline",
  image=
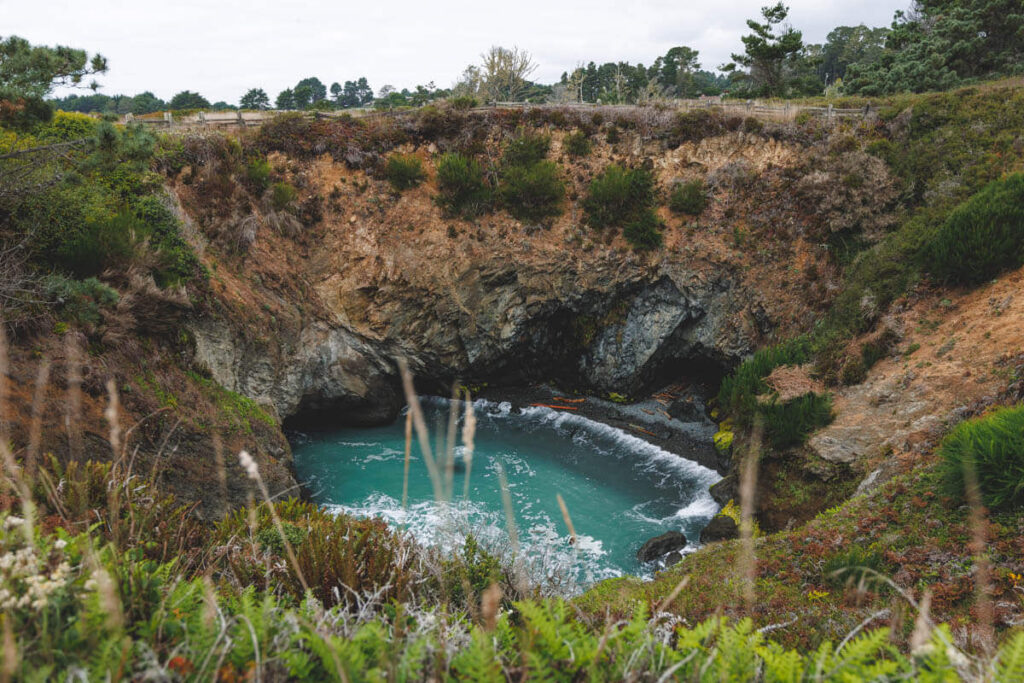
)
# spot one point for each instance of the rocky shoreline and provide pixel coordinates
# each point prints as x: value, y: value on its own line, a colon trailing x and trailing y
x: 673, y: 419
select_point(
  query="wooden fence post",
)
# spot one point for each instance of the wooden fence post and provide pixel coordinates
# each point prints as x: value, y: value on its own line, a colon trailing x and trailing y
x: 168, y: 119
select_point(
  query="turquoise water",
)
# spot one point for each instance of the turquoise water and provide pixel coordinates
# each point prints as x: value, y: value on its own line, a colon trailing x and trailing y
x: 619, y: 489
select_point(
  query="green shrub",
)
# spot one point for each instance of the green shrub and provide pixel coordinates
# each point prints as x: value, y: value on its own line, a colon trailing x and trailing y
x: 404, y: 171
x: 282, y: 195
x: 79, y: 300
x: 100, y: 245
x: 577, y: 144
x: 460, y: 180
x: 738, y: 392
x: 463, y: 103
x: 618, y: 195
x: 688, y: 198
x: 983, y: 236
x: 853, y: 566
x: 644, y: 231
x: 526, y: 149
x: 177, y: 259
x: 270, y: 540
x: 993, y: 447
x: 467, y: 576
x: 789, y: 424
x: 533, y: 192
x: 257, y: 174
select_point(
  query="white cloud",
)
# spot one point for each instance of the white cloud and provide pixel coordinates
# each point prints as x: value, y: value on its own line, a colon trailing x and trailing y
x: 223, y: 47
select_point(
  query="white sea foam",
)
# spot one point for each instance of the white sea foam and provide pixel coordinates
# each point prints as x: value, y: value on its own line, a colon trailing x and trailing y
x: 545, y: 554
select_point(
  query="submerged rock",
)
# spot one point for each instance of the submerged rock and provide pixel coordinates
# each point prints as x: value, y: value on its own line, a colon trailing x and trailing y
x: 659, y: 546
x: 721, y: 528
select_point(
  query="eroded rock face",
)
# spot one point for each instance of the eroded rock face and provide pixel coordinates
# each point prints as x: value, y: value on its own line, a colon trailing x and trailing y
x: 326, y: 371
x: 497, y: 325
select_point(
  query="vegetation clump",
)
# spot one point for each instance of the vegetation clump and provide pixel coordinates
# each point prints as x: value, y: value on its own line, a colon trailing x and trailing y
x: 577, y: 144
x: 620, y: 197
x: 688, y: 198
x: 533, y: 192
x: 981, y: 237
x: 463, y: 190
x: 989, y: 451
x: 404, y: 171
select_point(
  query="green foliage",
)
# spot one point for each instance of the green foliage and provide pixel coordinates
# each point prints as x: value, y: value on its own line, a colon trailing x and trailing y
x: 688, y: 198
x: 617, y: 195
x: 940, y: 45
x: 79, y: 301
x: 983, y: 236
x: 186, y: 99
x: 257, y: 175
x: 737, y: 395
x: 577, y: 144
x: 463, y: 103
x: 990, y: 449
x: 28, y: 73
x: 643, y: 232
x: 855, y: 565
x: 271, y: 541
x: 242, y: 413
x: 283, y: 195
x: 769, y: 50
x: 404, y: 171
x: 466, y: 577
x: 789, y: 424
x: 460, y: 180
x: 67, y: 126
x: 526, y: 149
x: 533, y: 192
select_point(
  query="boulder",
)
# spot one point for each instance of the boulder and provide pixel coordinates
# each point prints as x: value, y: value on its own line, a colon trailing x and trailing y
x: 659, y: 546
x: 721, y: 528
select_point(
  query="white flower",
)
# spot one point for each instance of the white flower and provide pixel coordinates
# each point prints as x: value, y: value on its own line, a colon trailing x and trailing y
x: 60, y: 544
x: 248, y: 464
x: 12, y: 522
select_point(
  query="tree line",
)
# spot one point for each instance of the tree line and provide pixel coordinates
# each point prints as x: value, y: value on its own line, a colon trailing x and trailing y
x: 934, y: 45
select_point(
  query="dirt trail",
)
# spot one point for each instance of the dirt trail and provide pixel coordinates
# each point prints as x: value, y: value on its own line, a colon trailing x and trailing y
x: 960, y: 350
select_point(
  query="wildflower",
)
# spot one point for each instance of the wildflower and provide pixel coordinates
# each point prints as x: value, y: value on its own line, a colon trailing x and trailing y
x: 60, y: 544
x: 248, y: 464
x: 12, y: 522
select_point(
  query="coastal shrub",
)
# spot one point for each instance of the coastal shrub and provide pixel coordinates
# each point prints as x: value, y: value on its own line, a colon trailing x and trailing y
x: 854, y: 566
x: 577, y: 144
x: 526, y: 148
x: 789, y: 424
x: 737, y: 395
x: 993, y: 447
x: 533, y: 192
x: 688, y: 198
x: 177, y: 261
x: 618, y: 195
x: 460, y: 180
x: 79, y: 300
x: 981, y: 237
x: 404, y: 171
x: 99, y: 245
x: 282, y: 195
x: 467, y: 575
x: 257, y: 175
x: 330, y: 550
x: 463, y: 103
x: 643, y: 232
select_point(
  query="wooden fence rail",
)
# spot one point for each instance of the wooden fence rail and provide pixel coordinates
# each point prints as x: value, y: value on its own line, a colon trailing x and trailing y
x: 245, y: 119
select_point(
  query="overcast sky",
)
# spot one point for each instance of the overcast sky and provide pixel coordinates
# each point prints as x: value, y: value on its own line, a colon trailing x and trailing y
x: 221, y: 48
